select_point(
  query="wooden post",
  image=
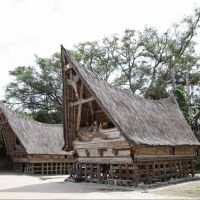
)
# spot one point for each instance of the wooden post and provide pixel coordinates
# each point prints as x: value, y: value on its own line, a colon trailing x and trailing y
x: 186, y: 168
x: 175, y: 168
x: 98, y: 173
x: 79, y: 170
x: 164, y: 171
x: 64, y: 172
x: 79, y: 108
x: 51, y: 168
x: 68, y: 169
x: 111, y: 172
x: 127, y: 171
x: 147, y: 175
x: 170, y: 168
x: 42, y: 168
x: 85, y: 172
x: 183, y: 167
x: 153, y: 170
x: 60, y: 167
x: 47, y: 168
x: 56, y: 170
x: 91, y: 172
x: 120, y: 172
x: 180, y: 169
x: 192, y: 166
x: 159, y: 171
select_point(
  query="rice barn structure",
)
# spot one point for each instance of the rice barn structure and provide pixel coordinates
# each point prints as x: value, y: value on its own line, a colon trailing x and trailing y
x: 34, y: 147
x: 120, y: 137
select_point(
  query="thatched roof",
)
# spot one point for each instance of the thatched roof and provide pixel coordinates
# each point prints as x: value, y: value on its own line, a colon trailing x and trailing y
x: 36, y: 137
x: 140, y: 120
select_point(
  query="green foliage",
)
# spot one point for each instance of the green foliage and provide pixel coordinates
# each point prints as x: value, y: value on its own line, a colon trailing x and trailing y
x: 38, y: 90
x: 197, y: 164
x: 147, y: 63
x: 195, y: 121
x: 182, y: 101
x: 47, y: 117
x: 96, y: 56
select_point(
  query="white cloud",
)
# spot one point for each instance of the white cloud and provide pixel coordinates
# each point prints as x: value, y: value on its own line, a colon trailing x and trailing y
x: 29, y: 27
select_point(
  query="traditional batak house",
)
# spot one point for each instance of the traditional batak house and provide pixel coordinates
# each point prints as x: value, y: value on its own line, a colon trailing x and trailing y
x: 120, y: 136
x: 34, y: 147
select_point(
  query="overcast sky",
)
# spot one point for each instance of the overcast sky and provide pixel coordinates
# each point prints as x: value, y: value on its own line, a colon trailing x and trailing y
x: 29, y: 27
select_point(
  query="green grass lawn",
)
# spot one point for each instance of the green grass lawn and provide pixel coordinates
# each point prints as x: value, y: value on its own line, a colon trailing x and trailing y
x: 197, y: 187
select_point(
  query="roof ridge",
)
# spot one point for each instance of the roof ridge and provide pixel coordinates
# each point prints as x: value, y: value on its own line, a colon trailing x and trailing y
x: 24, y: 117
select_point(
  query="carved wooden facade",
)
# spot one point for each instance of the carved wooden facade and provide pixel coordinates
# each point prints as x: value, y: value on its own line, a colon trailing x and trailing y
x: 121, y: 137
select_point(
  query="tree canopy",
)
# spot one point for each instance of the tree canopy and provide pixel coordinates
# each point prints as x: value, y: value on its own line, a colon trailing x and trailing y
x: 38, y: 90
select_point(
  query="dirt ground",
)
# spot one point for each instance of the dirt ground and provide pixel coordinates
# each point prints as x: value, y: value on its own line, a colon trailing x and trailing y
x: 15, y: 186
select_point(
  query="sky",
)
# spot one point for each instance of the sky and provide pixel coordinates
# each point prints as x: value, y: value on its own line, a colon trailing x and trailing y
x: 29, y: 27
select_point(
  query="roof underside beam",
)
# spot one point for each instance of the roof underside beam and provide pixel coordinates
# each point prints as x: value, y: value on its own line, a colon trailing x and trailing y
x: 82, y: 101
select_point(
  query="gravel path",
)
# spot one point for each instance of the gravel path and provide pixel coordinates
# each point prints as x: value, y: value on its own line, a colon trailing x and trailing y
x: 14, y: 186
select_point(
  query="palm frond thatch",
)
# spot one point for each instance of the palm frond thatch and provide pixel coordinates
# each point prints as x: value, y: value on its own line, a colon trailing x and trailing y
x: 36, y: 137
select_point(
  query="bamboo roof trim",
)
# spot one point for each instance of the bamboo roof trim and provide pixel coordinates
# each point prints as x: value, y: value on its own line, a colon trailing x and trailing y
x: 140, y: 120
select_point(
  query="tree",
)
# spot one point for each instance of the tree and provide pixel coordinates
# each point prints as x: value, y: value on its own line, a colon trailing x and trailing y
x: 38, y: 90
x: 97, y: 57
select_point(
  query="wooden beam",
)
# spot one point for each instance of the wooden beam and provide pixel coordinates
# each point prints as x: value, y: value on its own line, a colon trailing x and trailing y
x: 73, y: 79
x: 101, y: 150
x: 106, y: 160
x: 65, y: 107
x: 91, y: 110
x: 79, y: 108
x: 81, y: 101
x: 115, y: 150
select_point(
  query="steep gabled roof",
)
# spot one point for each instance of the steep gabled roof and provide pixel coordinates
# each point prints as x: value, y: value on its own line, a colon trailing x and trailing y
x: 36, y: 137
x: 140, y: 120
